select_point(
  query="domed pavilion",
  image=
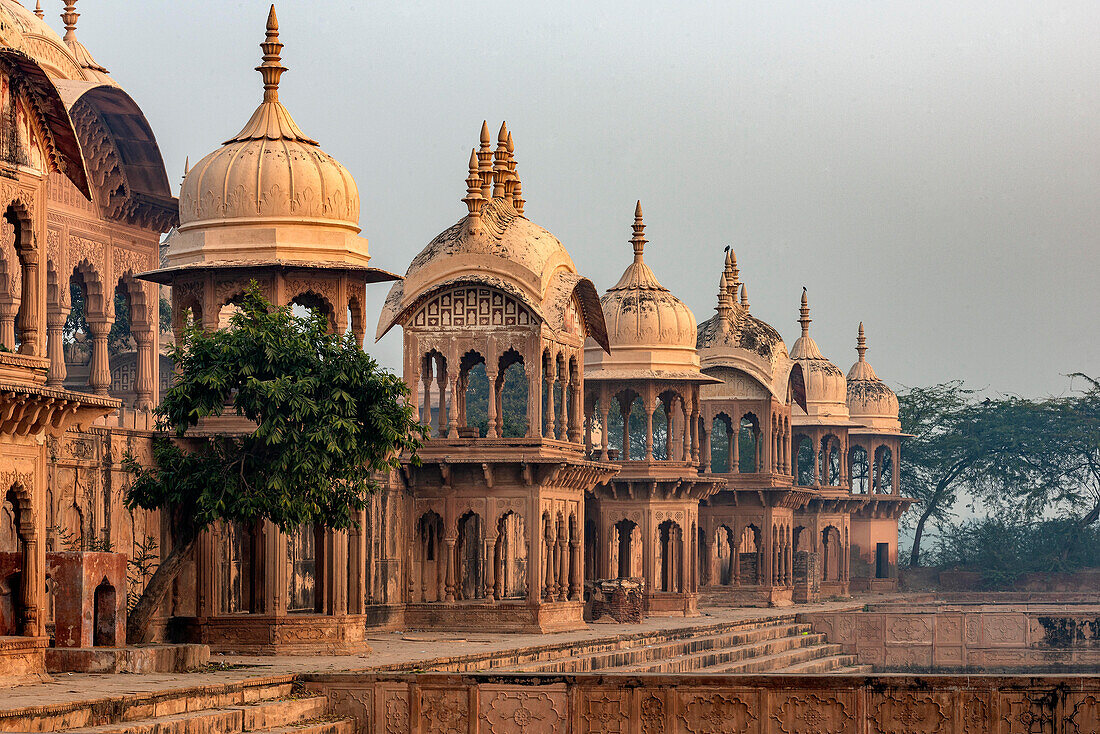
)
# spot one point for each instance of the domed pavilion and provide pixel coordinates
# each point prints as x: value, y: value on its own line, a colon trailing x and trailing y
x: 495, y: 314
x: 271, y: 206
x: 644, y: 520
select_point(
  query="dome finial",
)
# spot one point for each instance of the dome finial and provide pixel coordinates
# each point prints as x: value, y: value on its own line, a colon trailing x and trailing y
x: 485, y: 161
x: 744, y: 297
x: 272, y: 68
x: 186, y: 166
x: 473, y: 199
x: 804, y: 313
x: 69, y: 18
x: 638, y: 240
x: 731, y: 273
x: 861, y: 344
x: 500, y: 162
x: 38, y: 9
x: 513, y: 177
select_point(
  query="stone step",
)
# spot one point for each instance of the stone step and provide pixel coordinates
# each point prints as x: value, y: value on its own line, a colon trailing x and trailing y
x: 830, y: 664
x: 773, y: 663
x: 642, y: 653
x: 855, y: 670
x: 337, y: 726
x: 268, y: 715
x: 703, y: 661
x: 116, y: 711
x: 293, y: 714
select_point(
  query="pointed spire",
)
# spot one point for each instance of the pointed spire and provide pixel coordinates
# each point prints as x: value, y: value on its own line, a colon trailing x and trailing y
x: 733, y: 267
x: 731, y: 273
x: 473, y: 199
x: 69, y: 18
x: 500, y: 162
x: 272, y: 68
x: 38, y: 9
x: 744, y: 298
x: 485, y: 161
x: 517, y: 198
x: 513, y: 177
x: 271, y: 121
x: 186, y: 166
x: 861, y: 344
x: 638, y: 240
x: 804, y: 313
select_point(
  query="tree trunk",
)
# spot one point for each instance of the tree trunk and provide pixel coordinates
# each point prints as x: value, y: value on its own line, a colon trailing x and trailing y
x: 914, y: 554
x: 138, y: 621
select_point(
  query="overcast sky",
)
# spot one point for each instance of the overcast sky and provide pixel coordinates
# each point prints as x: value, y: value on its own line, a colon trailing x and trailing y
x: 930, y: 168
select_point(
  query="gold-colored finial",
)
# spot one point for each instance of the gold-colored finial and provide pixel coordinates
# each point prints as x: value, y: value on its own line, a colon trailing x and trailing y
x: 272, y: 68
x: 69, y: 19
x: 638, y: 240
x: 804, y: 313
x: 861, y: 344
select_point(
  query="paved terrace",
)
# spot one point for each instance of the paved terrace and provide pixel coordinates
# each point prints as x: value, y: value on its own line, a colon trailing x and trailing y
x: 389, y: 649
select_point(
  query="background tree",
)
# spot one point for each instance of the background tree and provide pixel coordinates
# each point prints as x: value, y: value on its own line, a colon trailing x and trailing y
x: 328, y: 420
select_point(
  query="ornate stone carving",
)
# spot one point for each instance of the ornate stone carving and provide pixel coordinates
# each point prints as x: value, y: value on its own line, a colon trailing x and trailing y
x: 812, y: 715
x: 396, y: 712
x: 466, y: 307
x: 716, y: 714
x: 1085, y: 718
x: 653, y: 715
x: 521, y: 711
x: 444, y: 711
x: 606, y: 711
x: 908, y: 714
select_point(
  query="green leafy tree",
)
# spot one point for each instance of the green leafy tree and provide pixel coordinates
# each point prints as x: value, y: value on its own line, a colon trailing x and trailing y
x: 328, y: 421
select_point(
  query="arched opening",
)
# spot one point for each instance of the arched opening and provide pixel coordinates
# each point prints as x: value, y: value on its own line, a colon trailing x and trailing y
x: 18, y: 294
x: 19, y: 604
x: 104, y: 615
x: 11, y: 286
x: 834, y: 473
x: 591, y: 546
x: 721, y: 445
x: 623, y: 548
x: 468, y: 556
x: 725, y: 553
x: 512, y: 393
x: 311, y: 303
x: 750, y: 553
x: 830, y: 554
x: 670, y: 557
x: 858, y: 469
x: 431, y: 395
x: 473, y: 396
x: 804, y: 461
x: 510, y: 558
x: 884, y: 470
x: 749, y: 444
x: 432, y: 559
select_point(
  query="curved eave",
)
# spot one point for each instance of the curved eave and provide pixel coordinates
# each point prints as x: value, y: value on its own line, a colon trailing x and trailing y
x: 742, y: 364
x: 165, y: 276
x: 62, y: 133
x: 398, y: 313
x: 592, y: 311
x: 608, y: 374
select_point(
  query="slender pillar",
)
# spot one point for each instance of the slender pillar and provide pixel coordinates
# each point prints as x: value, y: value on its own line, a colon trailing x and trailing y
x: 548, y: 553
x: 695, y: 431
x: 9, y: 308
x: 143, y: 384
x: 491, y: 430
x: 562, y: 432
x: 731, y: 450
x: 28, y: 317
x: 649, y: 408
x: 55, y: 345
x: 605, y: 427
x: 549, y: 391
x: 498, y: 568
x: 735, y: 461
x: 99, y: 379
x: 441, y: 387
x: 30, y: 587
x: 575, y: 583
x: 452, y: 409
x: 449, y: 587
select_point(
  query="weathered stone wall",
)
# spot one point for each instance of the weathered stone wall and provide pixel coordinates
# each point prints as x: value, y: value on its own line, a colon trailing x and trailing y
x: 538, y: 704
x: 967, y: 636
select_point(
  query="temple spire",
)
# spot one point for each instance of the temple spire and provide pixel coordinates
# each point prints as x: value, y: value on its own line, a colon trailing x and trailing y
x: 804, y: 313
x: 38, y: 9
x: 272, y: 68
x: 861, y: 344
x: 473, y: 198
x: 513, y: 177
x: 744, y: 298
x: 731, y: 273
x: 485, y: 161
x: 69, y: 18
x: 638, y: 240
x: 500, y: 162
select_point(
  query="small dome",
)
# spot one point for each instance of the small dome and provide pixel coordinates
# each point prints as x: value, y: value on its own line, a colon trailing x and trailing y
x: 25, y: 31
x: 296, y: 202
x: 826, y: 389
x: 650, y: 331
x: 496, y: 245
x: 870, y: 401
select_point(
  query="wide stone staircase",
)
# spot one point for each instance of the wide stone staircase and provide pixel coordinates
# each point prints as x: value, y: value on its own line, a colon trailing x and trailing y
x: 783, y: 647
x: 271, y: 707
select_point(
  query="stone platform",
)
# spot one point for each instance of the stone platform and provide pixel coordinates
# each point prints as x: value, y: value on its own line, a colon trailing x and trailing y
x: 141, y: 659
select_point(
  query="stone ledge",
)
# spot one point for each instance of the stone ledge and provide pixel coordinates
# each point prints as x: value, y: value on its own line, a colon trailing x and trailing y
x: 145, y: 659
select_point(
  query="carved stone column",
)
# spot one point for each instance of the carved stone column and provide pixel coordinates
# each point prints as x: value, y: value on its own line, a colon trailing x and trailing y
x: 549, y: 392
x: 605, y: 427
x: 28, y: 325
x: 9, y: 308
x: 99, y: 379
x: 562, y: 431
x: 695, y: 432
x: 563, y: 565
x: 441, y: 386
x: 143, y: 384
x: 650, y: 405
x: 489, y: 568
x: 55, y: 345
x: 491, y: 429
x: 548, y: 553
x: 452, y: 409
x: 575, y: 583
x: 30, y: 589
x: 449, y: 588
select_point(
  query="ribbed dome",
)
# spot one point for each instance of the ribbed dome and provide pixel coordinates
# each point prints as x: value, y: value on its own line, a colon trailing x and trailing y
x: 63, y: 58
x: 870, y: 401
x: 269, y: 193
x: 650, y: 330
x: 826, y: 389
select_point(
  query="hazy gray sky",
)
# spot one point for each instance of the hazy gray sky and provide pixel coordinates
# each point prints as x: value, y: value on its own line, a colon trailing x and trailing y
x: 929, y: 168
